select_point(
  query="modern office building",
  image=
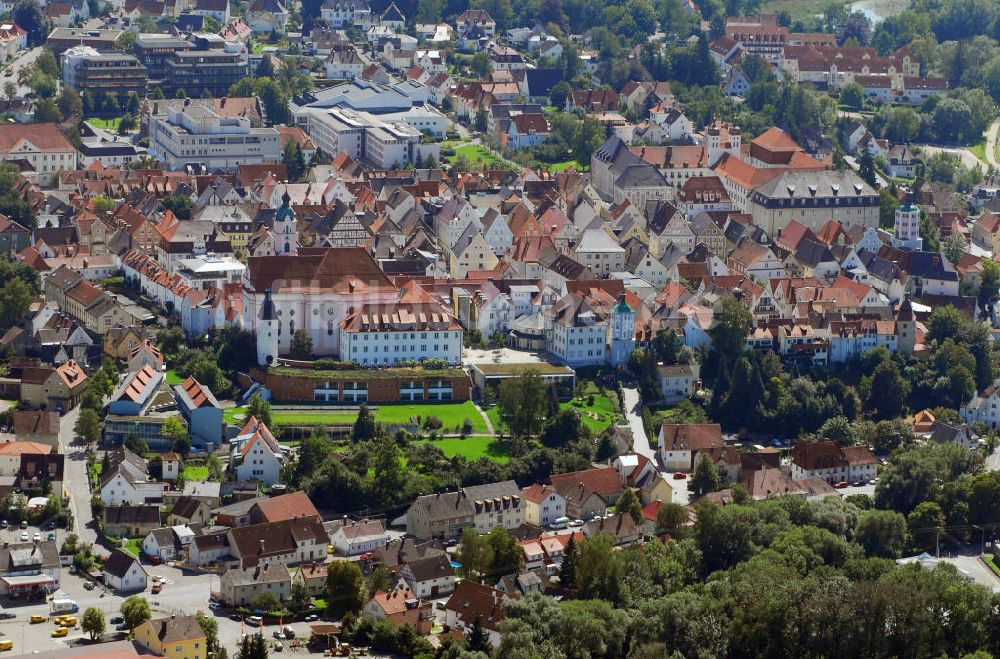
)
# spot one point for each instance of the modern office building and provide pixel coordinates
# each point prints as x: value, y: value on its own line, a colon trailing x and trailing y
x: 197, y: 134
x: 103, y: 73
x: 213, y: 66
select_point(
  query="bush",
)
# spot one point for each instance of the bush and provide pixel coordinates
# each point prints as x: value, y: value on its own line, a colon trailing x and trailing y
x: 433, y: 423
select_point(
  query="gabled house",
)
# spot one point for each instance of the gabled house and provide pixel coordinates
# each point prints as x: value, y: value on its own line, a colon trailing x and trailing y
x: 588, y: 493
x: 123, y: 573
x: 256, y: 455
x: 681, y: 443
x: 354, y: 538
x: 472, y: 601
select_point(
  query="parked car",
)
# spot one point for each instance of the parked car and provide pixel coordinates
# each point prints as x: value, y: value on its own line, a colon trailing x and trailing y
x: 278, y: 634
x: 841, y: 485
x: 312, y: 617
x: 52, y: 537
x: 289, y: 632
x: 121, y: 628
x: 59, y: 633
x: 7, y: 615
x: 89, y: 585
x: 157, y: 587
x: 117, y: 620
x: 4, y: 524
x: 679, y: 475
x: 873, y: 481
x: 37, y: 536
x: 24, y: 536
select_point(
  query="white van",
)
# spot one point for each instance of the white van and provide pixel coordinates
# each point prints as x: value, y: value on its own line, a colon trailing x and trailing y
x: 62, y: 605
x: 560, y: 523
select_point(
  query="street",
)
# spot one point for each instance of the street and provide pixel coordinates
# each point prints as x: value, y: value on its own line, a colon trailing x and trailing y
x: 9, y: 73
x: 75, y: 483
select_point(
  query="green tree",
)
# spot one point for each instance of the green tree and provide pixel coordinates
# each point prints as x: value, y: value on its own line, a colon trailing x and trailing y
x: 507, y: 555
x: 29, y: 15
x: 135, y: 611
x: 301, y: 345
x: 93, y: 623
x: 881, y: 533
x: 481, y: 65
x: 69, y: 102
x: 478, y: 639
x: 299, y: 598
x: 628, y: 503
x: 127, y: 123
x: 429, y: 11
x: 216, y: 470
x: 671, y: 518
x: 866, y: 168
x: 924, y: 523
x: 475, y: 554
x: 730, y: 332
x: 853, y: 96
x: 522, y: 403
x: 570, y: 560
x: 291, y: 156
x: 600, y: 568
x: 210, y: 627
x: 364, y: 425
x: 179, y: 205
x: 885, y: 391
x: 706, y: 477
x: 45, y: 111
x: 175, y: 430
x: 135, y: 443
x: 265, y: 601
x: 564, y: 429
x: 88, y: 426
x: 344, y: 588
x: 954, y: 246
x: 15, y: 298
x: 888, y: 203
x: 259, y: 408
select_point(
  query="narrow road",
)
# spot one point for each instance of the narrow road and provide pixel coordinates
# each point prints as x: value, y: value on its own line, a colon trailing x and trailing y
x: 991, y: 143
x: 75, y: 477
x: 633, y: 414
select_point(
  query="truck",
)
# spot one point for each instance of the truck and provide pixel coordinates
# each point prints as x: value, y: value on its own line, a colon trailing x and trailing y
x: 63, y: 605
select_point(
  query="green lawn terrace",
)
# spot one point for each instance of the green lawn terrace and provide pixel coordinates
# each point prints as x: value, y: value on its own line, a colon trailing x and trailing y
x: 452, y: 416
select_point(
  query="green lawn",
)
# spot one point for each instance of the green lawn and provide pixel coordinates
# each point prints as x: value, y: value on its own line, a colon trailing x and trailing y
x: 133, y: 546
x: 979, y: 151
x: 471, y: 448
x: 597, y: 417
x: 992, y: 562
x: 561, y: 166
x: 452, y: 415
x: 173, y: 378
x: 106, y: 124
x: 478, y: 156
x: 197, y: 473
x: 232, y: 415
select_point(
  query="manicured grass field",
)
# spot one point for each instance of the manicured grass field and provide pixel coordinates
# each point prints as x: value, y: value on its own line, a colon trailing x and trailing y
x: 106, y: 124
x: 452, y: 415
x: 979, y: 151
x: 597, y: 417
x: 197, y: 473
x: 561, y: 166
x: 173, y: 378
x: 478, y: 156
x: 471, y: 448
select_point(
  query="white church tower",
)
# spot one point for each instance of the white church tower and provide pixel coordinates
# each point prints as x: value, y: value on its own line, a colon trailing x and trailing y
x: 267, y: 332
x: 286, y: 230
x: 906, y: 231
x: 622, y: 332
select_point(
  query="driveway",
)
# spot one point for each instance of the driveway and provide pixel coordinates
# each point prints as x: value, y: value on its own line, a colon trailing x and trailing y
x: 633, y: 414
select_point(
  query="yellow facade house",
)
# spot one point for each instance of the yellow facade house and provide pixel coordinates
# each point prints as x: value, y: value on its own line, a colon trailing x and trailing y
x: 176, y: 637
